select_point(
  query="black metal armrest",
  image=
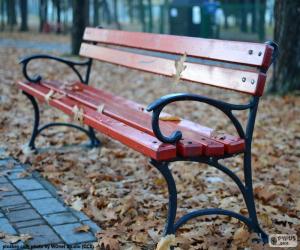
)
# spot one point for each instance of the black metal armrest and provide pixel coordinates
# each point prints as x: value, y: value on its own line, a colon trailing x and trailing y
x: 38, y: 78
x: 158, y: 105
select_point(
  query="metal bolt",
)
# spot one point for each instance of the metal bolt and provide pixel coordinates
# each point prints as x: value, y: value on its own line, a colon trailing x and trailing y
x: 244, y: 79
x: 259, y: 53
x: 250, y: 51
x: 252, y: 81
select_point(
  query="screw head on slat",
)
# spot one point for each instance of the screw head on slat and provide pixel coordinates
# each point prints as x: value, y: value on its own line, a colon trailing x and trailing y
x: 244, y: 79
x: 259, y: 53
x: 250, y: 51
x: 252, y: 81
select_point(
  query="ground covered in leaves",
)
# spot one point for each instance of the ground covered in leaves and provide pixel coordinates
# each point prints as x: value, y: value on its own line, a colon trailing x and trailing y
x: 125, y: 195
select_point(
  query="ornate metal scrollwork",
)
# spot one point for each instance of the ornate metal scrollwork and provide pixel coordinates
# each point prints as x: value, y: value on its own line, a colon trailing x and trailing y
x: 227, y: 108
x: 35, y: 79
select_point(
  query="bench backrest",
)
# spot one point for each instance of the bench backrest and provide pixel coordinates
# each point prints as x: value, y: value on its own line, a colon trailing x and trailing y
x: 241, y: 69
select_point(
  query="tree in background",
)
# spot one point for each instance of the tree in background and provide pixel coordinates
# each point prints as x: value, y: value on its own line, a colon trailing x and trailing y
x: 287, y: 29
x: 43, y: 12
x: 80, y: 19
x: 24, y: 15
x: 11, y: 13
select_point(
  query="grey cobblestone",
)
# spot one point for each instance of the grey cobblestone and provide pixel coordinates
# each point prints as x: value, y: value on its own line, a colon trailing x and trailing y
x: 3, y: 180
x: 22, y: 215
x: 48, y: 206
x: 30, y: 205
x: 12, y: 200
x: 60, y: 218
x: 6, y: 227
x: 8, y: 189
x: 27, y: 184
x: 71, y: 237
x: 41, y: 235
x: 37, y: 194
x: 28, y: 223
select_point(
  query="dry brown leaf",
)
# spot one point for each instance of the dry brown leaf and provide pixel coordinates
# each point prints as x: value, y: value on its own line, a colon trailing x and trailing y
x: 78, y: 114
x: 82, y: 229
x: 15, y: 238
x: 49, y: 95
x: 108, y: 243
x: 166, y: 242
x: 100, y: 108
x: 263, y: 194
x: 180, y: 67
x: 241, y: 235
x: 4, y: 189
x: 23, y: 174
x: 77, y: 204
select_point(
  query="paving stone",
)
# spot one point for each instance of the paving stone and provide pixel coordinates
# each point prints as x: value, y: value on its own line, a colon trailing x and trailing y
x: 27, y: 184
x: 70, y: 237
x: 16, y: 207
x: 41, y: 235
x: 11, y: 200
x: 37, y: 194
x: 6, y: 227
x: 17, y: 175
x: 1, y: 215
x: 10, y: 189
x: 94, y: 227
x: 3, y: 180
x: 80, y: 215
x: 7, y: 246
x: 48, y: 206
x: 60, y: 218
x: 22, y: 215
x: 28, y: 223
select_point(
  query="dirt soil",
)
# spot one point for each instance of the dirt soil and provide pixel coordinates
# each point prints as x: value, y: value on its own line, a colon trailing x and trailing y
x: 127, y: 197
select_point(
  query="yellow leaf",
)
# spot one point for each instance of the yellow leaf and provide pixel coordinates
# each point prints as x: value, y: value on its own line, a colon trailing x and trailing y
x: 100, y: 108
x: 170, y: 118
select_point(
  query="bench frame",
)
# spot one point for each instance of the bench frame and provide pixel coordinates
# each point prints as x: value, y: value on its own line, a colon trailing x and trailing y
x: 157, y: 106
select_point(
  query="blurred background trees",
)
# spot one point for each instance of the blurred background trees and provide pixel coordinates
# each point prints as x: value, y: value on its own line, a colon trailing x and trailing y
x: 248, y: 20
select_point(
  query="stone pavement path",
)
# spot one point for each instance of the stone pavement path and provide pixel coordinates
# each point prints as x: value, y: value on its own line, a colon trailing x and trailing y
x: 30, y: 205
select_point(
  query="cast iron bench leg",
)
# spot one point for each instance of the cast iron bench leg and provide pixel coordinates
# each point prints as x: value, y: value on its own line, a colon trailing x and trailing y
x: 94, y: 142
x: 246, y: 190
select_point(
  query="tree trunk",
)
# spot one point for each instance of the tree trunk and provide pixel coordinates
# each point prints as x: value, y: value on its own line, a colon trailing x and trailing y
x: 253, y: 16
x: 79, y: 23
x: 58, y: 13
x: 142, y: 15
x: 130, y: 10
x: 23, y: 11
x: 43, y: 12
x: 286, y: 76
x: 2, y: 6
x: 262, y: 21
x: 150, y: 15
x: 96, y: 13
x: 116, y: 14
x: 244, y: 13
x: 11, y: 13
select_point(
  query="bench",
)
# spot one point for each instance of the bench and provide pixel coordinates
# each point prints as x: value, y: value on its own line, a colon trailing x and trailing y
x: 237, y: 66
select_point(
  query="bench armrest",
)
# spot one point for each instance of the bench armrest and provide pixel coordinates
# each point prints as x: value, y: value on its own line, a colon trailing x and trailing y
x: 158, y: 105
x: 38, y: 78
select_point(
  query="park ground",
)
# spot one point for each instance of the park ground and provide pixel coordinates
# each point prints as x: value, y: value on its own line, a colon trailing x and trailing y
x: 119, y: 190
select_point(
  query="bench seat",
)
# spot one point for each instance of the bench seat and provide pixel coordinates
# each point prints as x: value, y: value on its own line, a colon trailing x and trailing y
x: 130, y: 123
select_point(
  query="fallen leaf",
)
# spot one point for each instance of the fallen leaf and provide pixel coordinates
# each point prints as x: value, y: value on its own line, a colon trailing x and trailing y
x: 82, y: 229
x: 241, y: 235
x: 77, y: 204
x: 166, y: 242
x: 107, y: 243
x: 170, y: 118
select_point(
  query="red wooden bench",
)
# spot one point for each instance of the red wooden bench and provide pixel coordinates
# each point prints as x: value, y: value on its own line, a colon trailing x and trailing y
x: 238, y: 66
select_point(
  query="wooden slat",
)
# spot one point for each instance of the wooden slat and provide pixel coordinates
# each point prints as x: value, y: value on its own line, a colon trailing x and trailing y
x: 138, y: 140
x: 243, y: 81
x: 254, y: 54
x: 134, y: 115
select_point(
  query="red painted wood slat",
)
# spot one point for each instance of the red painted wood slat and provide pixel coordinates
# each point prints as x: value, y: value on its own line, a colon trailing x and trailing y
x: 250, y: 82
x: 138, y: 140
x: 254, y: 54
x: 133, y: 114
